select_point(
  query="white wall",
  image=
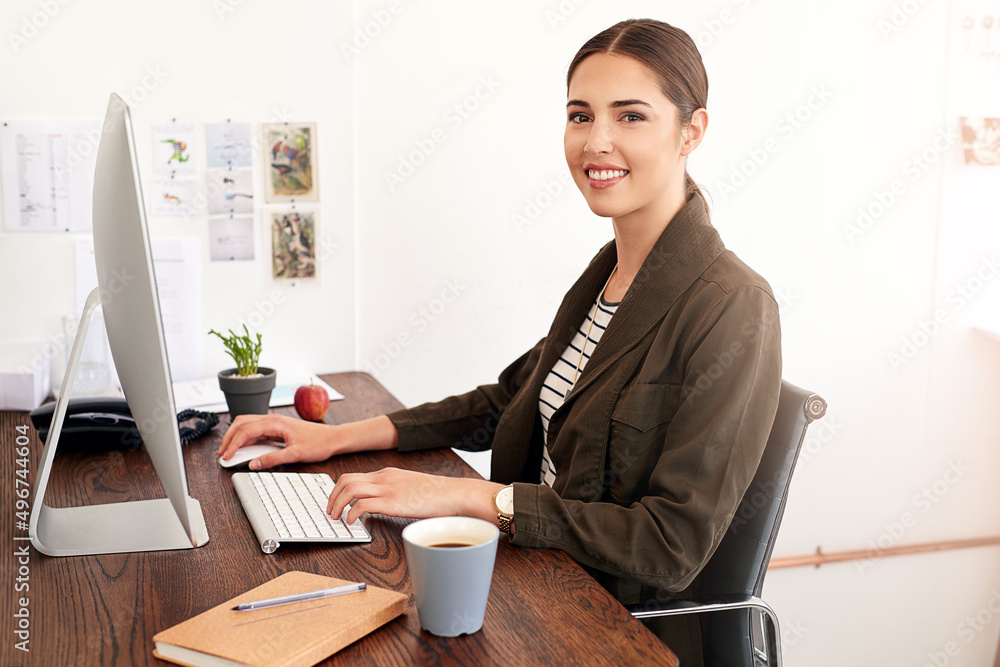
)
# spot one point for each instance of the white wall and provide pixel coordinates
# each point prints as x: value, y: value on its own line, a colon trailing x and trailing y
x: 251, y: 62
x: 450, y: 286
x: 877, y: 100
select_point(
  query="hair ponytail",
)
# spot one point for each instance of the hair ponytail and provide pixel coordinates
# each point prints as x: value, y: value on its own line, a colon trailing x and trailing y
x: 691, y: 189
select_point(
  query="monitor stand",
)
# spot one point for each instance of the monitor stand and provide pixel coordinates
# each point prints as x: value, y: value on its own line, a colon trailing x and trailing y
x: 138, y: 525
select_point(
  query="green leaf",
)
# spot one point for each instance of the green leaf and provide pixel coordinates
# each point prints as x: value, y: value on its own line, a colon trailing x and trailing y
x: 243, y: 349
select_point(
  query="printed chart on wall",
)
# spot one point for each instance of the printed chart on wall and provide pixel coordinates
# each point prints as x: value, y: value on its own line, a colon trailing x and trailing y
x: 48, y: 174
x: 968, y: 285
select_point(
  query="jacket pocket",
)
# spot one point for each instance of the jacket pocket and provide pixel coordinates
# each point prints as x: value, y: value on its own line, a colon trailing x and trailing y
x: 644, y: 406
x: 639, y: 423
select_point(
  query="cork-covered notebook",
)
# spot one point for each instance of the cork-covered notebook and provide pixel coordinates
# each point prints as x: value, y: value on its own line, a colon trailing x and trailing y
x: 292, y: 635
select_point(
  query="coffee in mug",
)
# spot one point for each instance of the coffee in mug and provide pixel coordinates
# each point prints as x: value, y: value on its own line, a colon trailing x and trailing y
x: 450, y: 561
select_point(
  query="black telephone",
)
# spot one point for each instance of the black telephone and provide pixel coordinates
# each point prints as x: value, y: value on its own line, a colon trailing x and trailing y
x: 107, y: 423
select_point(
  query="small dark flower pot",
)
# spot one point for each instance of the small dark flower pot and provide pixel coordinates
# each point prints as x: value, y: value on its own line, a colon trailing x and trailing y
x: 247, y: 395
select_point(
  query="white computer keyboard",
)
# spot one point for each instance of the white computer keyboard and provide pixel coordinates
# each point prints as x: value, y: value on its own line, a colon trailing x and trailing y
x: 291, y: 507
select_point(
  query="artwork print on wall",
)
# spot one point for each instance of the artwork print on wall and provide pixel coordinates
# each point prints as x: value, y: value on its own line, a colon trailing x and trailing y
x: 289, y: 152
x: 981, y: 140
x: 293, y: 244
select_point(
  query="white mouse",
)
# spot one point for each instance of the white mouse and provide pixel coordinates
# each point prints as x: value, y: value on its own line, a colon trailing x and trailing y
x: 245, y: 454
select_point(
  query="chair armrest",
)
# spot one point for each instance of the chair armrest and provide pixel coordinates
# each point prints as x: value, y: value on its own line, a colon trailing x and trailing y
x: 699, y: 605
x: 713, y: 603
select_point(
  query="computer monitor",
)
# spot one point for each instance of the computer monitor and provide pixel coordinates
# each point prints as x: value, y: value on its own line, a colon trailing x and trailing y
x: 127, y: 293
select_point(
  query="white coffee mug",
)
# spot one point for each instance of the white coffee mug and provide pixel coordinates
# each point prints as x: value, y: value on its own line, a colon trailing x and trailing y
x: 450, y: 560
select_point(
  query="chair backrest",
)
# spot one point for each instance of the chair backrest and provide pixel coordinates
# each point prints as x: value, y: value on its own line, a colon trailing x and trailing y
x: 740, y: 561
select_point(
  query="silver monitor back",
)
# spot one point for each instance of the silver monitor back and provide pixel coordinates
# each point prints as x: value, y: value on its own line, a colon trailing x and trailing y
x: 127, y: 293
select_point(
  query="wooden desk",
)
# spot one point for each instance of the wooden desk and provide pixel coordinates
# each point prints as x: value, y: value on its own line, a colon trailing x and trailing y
x: 104, y: 610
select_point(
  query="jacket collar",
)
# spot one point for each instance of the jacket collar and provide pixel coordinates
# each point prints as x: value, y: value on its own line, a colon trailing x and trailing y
x: 687, y: 246
x: 684, y: 250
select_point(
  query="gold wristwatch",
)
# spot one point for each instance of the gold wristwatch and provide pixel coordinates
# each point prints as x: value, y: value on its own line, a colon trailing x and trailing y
x: 503, y: 500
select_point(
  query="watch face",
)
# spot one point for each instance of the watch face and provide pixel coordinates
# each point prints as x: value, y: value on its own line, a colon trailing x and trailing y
x: 505, y: 500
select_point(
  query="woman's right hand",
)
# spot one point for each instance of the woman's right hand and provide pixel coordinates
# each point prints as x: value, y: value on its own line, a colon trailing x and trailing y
x: 305, y: 441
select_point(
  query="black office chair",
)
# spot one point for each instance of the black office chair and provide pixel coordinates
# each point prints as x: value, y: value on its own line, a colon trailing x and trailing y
x: 730, y: 584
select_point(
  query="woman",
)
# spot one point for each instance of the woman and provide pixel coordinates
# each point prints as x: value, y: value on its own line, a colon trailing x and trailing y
x: 630, y: 454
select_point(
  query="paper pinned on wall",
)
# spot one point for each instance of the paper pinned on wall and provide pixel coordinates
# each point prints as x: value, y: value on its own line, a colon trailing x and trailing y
x: 292, y: 168
x: 974, y: 58
x: 980, y: 141
x: 230, y: 238
x: 228, y: 145
x: 86, y: 271
x: 177, y: 264
x: 967, y: 268
x: 293, y: 244
x: 172, y: 149
x: 48, y: 174
x: 173, y: 197
x: 229, y: 191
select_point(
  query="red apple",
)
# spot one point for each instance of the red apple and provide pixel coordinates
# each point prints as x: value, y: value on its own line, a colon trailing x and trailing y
x: 311, y: 402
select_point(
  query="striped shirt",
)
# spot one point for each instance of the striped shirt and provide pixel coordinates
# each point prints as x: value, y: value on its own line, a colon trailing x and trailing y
x: 565, y: 373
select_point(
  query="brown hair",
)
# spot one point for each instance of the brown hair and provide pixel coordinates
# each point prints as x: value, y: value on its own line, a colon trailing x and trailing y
x: 669, y: 53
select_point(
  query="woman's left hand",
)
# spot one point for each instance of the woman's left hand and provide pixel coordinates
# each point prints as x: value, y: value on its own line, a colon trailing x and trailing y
x: 406, y: 493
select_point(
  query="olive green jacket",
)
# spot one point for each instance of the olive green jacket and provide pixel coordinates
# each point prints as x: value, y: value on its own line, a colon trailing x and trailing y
x: 657, y: 442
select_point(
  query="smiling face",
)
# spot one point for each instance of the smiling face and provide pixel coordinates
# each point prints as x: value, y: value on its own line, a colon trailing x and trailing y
x: 624, y: 143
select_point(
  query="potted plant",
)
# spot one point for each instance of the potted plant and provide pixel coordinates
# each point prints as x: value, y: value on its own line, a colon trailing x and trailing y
x: 247, y: 387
